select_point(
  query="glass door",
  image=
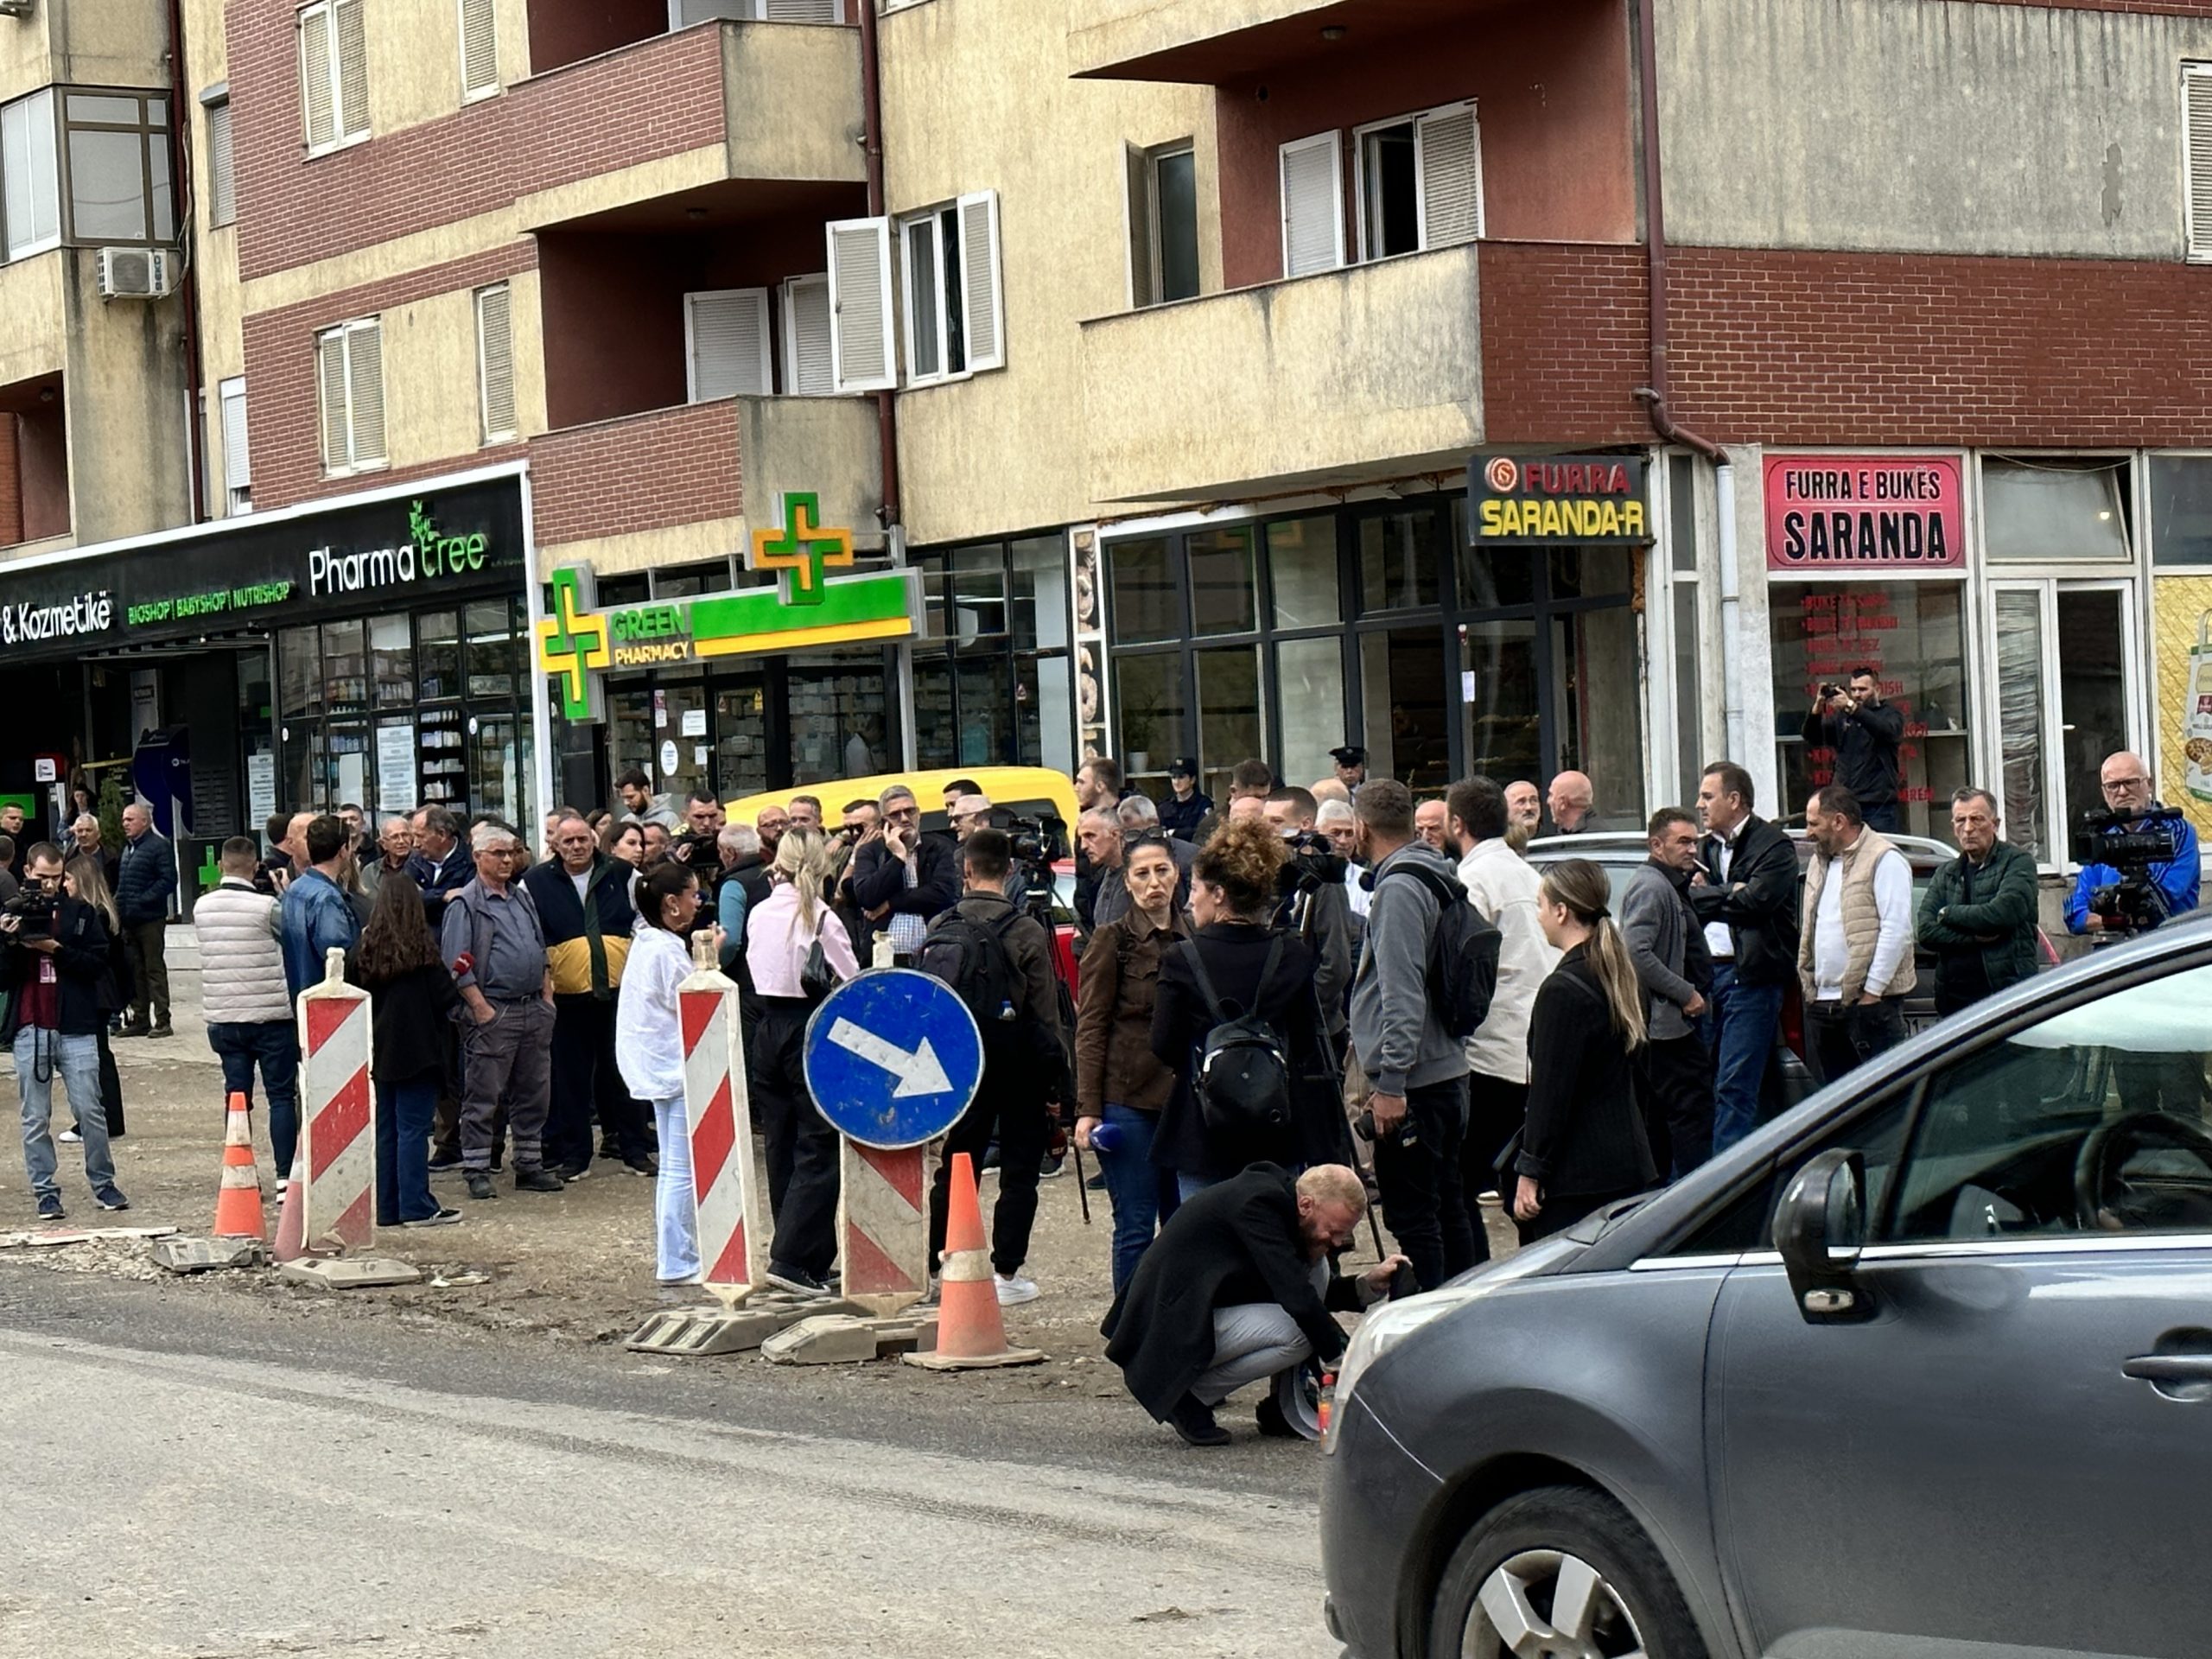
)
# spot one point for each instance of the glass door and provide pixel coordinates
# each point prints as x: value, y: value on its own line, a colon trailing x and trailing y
x: 2068, y: 678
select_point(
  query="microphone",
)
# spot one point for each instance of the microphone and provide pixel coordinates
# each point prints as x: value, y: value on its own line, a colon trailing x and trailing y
x: 463, y: 963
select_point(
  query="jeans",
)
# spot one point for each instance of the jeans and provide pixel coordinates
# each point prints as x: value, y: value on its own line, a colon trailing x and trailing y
x: 1143, y: 1196
x: 1188, y: 1186
x: 676, y: 1205
x: 1885, y: 817
x: 40, y: 1056
x: 1840, y: 1036
x: 404, y: 1111
x: 1014, y: 1110
x: 274, y: 1046
x: 1253, y: 1341
x: 1424, y: 1195
x: 149, y: 971
x: 1744, y: 1022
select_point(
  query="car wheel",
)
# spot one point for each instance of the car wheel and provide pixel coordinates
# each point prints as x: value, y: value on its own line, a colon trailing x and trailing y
x: 1561, y: 1573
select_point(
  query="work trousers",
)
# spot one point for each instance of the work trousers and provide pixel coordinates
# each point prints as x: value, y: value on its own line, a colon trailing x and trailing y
x: 1253, y: 1341
x: 506, y: 1064
x: 404, y: 1112
x: 1424, y: 1194
x: 1015, y: 1114
x: 41, y: 1057
x: 802, y: 1147
x: 1742, y: 1026
x: 1674, y: 1086
x: 149, y: 971
x: 274, y: 1046
x: 1496, y: 1110
x: 1843, y: 1035
x: 585, y: 1076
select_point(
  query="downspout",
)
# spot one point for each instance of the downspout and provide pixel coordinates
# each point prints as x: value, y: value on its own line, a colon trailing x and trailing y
x: 1656, y: 394
x: 187, y: 290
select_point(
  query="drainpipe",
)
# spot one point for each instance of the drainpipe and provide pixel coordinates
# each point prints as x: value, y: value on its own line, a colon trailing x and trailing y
x: 1655, y: 402
x: 188, y: 289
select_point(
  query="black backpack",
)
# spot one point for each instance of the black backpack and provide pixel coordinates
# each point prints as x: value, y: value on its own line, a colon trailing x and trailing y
x: 1241, y: 1078
x: 971, y: 957
x: 1462, y: 955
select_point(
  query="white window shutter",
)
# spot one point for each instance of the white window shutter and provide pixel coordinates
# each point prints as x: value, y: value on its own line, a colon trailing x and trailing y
x: 808, y: 371
x: 365, y: 390
x: 805, y: 11
x: 330, y: 367
x: 2196, y: 86
x: 1313, y: 205
x: 315, y: 83
x: 222, y: 170
x: 726, y: 339
x: 1137, y: 187
x: 495, y: 362
x: 1447, y: 152
x: 237, y: 463
x: 860, y: 304
x: 480, y: 47
x: 352, y: 68
x: 981, y: 296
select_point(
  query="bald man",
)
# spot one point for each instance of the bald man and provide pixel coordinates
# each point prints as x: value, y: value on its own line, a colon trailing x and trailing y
x: 2127, y: 784
x: 1428, y: 824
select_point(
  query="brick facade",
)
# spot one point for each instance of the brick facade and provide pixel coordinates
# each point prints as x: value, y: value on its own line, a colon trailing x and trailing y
x: 643, y: 472
x: 658, y: 97
x: 11, y: 485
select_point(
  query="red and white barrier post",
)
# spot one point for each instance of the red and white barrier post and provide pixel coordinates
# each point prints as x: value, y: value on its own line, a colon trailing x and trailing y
x: 337, y: 1117
x: 717, y: 1107
x: 883, y: 1226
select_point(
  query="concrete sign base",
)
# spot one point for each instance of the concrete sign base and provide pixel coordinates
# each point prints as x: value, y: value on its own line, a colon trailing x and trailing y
x: 339, y: 1273
x: 839, y: 1339
x: 199, y: 1254
x: 694, y: 1331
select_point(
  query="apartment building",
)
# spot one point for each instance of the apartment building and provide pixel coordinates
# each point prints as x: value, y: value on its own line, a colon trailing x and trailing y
x: 766, y: 391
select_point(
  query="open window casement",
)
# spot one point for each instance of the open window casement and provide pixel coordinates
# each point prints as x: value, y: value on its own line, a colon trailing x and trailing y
x: 809, y: 370
x: 860, y: 305
x: 1447, y: 151
x: 1313, y: 205
x: 980, y: 295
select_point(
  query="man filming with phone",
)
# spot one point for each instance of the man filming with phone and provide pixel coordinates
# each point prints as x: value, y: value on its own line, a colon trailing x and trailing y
x: 1865, y: 734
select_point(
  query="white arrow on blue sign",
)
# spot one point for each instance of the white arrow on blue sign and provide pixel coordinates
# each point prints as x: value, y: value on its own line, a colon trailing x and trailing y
x: 892, y: 1057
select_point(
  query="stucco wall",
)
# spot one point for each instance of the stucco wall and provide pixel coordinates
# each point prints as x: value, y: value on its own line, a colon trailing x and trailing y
x: 1924, y: 124
x: 126, y: 394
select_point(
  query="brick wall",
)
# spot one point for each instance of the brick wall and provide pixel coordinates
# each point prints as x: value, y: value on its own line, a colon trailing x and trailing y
x: 659, y: 98
x: 11, y: 485
x: 643, y: 472
x: 1835, y: 348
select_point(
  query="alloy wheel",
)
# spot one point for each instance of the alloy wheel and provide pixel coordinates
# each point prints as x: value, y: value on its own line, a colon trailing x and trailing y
x: 1545, y: 1604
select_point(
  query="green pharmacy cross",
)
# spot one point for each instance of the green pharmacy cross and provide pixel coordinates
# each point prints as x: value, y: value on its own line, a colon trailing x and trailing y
x: 802, y: 548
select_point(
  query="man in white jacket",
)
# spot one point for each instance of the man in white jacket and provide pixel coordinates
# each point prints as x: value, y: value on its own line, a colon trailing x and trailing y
x: 242, y: 992
x: 1500, y: 884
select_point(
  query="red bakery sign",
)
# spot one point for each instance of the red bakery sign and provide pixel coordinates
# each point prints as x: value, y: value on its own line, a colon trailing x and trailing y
x: 1834, y: 513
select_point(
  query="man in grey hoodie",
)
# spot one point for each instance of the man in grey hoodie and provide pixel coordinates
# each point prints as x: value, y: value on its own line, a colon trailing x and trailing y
x: 1419, y: 1070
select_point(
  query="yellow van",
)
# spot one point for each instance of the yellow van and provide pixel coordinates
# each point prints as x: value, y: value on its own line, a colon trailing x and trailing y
x: 1025, y: 791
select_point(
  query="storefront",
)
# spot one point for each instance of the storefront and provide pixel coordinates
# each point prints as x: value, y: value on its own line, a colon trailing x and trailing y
x: 371, y: 652
x: 1492, y: 630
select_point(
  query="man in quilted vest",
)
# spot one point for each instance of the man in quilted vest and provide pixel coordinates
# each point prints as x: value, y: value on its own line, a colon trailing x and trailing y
x: 243, y: 993
x: 1854, y: 950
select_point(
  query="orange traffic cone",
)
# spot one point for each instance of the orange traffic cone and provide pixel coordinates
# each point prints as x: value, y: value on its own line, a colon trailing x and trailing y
x: 971, y: 1332
x: 237, y: 1205
x: 292, y: 1223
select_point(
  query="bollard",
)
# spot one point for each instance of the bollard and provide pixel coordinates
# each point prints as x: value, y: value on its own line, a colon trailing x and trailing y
x: 883, y: 1231
x: 338, y: 1140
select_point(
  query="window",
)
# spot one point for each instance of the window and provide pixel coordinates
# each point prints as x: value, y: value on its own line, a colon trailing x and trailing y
x: 726, y: 344
x: 2181, y: 510
x: 2056, y: 509
x: 2196, y: 127
x: 349, y: 368
x: 118, y: 154
x: 479, y: 49
x: 1420, y: 182
x: 31, y: 203
x: 1313, y: 205
x: 860, y: 305
x: 1163, y: 224
x: 954, y: 307
x: 222, y: 172
x: 333, y: 74
x: 237, y: 463
x: 495, y: 363
x: 809, y: 367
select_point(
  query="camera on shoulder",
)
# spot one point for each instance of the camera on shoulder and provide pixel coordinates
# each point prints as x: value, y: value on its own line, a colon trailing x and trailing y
x: 2131, y: 843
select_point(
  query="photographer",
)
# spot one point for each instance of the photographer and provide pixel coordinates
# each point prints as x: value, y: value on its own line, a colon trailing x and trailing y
x: 2157, y: 890
x: 1316, y: 905
x: 53, y: 951
x: 1865, y: 733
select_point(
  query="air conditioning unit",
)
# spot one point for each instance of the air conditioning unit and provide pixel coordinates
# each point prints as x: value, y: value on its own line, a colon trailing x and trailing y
x: 15, y: 7
x: 137, y: 273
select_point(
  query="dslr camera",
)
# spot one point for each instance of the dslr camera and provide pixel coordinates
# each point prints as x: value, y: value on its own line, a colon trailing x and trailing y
x: 2130, y: 842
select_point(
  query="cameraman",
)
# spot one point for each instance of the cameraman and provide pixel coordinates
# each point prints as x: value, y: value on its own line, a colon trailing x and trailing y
x: 1317, y: 906
x: 2173, y: 881
x: 1866, y: 734
x: 53, y: 947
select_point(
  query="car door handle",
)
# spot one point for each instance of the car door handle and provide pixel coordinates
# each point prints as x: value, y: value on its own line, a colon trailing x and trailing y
x: 2170, y: 1368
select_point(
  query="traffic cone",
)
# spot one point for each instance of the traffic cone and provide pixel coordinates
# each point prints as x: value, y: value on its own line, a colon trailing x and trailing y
x: 971, y: 1332
x: 292, y: 1223
x: 237, y: 1204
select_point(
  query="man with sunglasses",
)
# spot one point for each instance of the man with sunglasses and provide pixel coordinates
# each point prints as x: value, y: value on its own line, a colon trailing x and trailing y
x: 901, y: 879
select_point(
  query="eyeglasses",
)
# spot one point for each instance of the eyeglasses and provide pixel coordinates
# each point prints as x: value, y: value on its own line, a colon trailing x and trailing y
x: 2124, y: 782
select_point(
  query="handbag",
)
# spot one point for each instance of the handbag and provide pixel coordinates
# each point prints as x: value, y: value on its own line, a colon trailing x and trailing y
x: 816, y: 978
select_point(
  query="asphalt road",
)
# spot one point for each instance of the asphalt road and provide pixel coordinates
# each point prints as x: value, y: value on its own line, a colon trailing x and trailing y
x: 213, y: 1478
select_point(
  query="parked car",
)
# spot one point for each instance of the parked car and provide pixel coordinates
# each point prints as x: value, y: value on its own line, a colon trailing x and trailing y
x: 1790, y: 1075
x: 1921, y: 1367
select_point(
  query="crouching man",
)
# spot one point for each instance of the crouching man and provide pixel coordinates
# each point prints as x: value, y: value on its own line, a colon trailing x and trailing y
x: 1236, y: 1289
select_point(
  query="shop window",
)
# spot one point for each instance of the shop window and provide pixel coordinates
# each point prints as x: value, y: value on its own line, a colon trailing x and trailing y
x: 1495, y: 578
x: 978, y: 595
x: 345, y: 666
x: 31, y: 175
x: 494, y: 649
x: 741, y: 737
x: 1310, y: 692
x: 1224, y: 594
x: 1405, y: 731
x: 1689, y: 707
x: 2181, y: 503
x: 838, y: 720
x: 437, y: 637
x: 1498, y: 684
x: 1149, y: 698
x: 300, y: 681
x: 1145, y: 600
x: 2055, y: 511
x: 1232, y: 725
x: 1598, y: 724
x: 1039, y: 567
x: 1401, y: 562
x: 333, y: 74
x: 1302, y: 573
x: 398, y: 787
x: 443, y: 766
x: 1163, y: 223
x: 2063, y: 691
x: 391, y: 660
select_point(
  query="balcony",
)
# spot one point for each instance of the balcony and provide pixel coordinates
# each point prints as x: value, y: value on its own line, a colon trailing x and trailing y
x: 1370, y: 372
x: 1210, y: 42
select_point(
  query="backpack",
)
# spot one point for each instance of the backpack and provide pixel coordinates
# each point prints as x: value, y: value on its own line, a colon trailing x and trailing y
x: 1241, y: 1078
x: 971, y: 957
x: 1462, y: 955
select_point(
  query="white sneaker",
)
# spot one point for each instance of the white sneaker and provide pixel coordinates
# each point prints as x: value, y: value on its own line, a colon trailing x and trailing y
x: 69, y: 1137
x: 1014, y: 1288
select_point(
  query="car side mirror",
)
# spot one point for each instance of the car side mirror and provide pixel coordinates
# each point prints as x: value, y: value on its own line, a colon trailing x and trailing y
x: 1820, y: 1228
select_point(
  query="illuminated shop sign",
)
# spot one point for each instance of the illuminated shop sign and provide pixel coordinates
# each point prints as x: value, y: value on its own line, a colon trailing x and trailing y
x: 1514, y: 501
x: 1830, y: 513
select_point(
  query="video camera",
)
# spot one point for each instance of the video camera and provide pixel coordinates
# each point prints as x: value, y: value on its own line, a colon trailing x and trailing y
x: 1036, y: 843
x: 2130, y: 842
x: 1314, y: 863
x: 34, y: 907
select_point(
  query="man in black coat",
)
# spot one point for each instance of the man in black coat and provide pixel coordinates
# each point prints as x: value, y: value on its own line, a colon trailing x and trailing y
x: 901, y: 880
x: 1746, y: 896
x: 1866, y: 734
x: 1237, y: 1289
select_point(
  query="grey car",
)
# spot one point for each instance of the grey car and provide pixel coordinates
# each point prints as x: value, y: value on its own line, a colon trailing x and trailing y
x: 1922, y: 1365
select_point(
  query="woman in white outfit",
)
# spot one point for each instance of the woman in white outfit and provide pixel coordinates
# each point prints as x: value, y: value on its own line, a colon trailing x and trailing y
x: 648, y: 1047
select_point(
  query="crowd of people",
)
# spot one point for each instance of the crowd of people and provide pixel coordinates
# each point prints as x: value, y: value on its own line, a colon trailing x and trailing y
x: 1290, y: 1005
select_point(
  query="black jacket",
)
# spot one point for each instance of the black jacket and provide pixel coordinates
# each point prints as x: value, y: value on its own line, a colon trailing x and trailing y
x: 1584, y: 1134
x: 440, y: 883
x: 1233, y: 954
x: 1181, y: 819
x: 1764, y: 916
x: 1865, y: 742
x: 1233, y: 1244
x: 80, y: 966
x: 412, y: 1021
x: 880, y: 879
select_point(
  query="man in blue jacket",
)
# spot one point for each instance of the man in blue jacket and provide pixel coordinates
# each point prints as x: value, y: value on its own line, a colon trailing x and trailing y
x: 144, y: 882
x: 316, y: 916
x: 2127, y: 783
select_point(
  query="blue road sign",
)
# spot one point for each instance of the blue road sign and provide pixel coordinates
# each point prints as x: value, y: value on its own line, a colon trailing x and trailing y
x: 892, y: 1057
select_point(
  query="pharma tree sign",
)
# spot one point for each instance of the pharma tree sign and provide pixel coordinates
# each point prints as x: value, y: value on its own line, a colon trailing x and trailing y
x: 578, y: 642
x: 1540, y: 501
x: 1835, y: 514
